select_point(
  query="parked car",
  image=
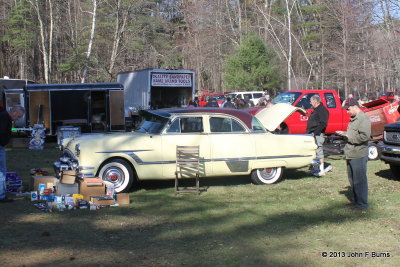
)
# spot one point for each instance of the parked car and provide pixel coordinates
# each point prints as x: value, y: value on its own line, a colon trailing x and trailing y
x: 390, y: 148
x: 251, y: 95
x: 232, y: 142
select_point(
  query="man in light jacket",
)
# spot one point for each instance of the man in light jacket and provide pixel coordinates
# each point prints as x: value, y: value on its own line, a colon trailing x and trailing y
x: 356, y: 152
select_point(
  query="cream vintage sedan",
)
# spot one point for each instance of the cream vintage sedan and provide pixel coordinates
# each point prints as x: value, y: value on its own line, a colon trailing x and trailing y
x: 232, y: 142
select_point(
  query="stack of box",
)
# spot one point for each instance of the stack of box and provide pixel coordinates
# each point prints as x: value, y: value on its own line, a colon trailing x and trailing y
x: 13, y: 182
x: 69, y: 192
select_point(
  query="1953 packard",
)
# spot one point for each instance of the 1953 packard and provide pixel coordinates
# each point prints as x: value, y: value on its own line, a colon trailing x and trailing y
x: 232, y: 142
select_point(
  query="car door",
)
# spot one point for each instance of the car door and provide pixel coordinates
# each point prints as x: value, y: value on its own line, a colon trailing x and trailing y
x: 185, y: 130
x: 232, y: 146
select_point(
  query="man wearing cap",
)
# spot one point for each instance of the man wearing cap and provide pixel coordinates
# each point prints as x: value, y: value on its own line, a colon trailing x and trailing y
x: 356, y: 152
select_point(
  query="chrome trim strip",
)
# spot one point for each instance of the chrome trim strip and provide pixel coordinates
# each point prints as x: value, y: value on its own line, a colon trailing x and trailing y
x: 124, y: 151
x: 139, y: 161
x: 84, y: 175
x: 85, y: 168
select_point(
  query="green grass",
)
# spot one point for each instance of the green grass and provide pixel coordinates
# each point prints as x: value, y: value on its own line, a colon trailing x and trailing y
x: 231, y: 223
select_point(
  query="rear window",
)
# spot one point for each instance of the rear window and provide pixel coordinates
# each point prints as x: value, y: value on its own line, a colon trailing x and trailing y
x: 257, y: 95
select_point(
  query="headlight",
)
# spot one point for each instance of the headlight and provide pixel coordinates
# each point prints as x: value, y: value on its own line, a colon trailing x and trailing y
x: 77, y: 149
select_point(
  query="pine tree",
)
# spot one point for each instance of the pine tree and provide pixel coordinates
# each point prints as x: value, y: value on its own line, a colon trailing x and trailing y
x: 252, y: 67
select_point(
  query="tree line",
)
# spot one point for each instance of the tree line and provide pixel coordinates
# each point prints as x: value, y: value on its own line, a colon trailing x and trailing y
x: 348, y: 45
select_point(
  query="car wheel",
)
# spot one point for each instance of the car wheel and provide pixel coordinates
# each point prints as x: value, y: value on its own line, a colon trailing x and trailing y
x: 395, y: 171
x: 118, y: 172
x: 266, y: 175
x: 373, y: 152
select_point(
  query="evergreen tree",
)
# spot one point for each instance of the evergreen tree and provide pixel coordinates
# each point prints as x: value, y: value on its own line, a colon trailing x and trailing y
x: 252, y: 67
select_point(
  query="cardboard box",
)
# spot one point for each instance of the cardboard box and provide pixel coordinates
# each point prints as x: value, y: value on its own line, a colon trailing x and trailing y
x: 66, y: 189
x: 36, y: 180
x: 123, y: 199
x: 88, y: 190
x: 102, y: 200
x: 68, y: 177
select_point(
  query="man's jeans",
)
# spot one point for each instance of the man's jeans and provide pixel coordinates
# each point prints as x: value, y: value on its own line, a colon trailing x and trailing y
x: 2, y: 173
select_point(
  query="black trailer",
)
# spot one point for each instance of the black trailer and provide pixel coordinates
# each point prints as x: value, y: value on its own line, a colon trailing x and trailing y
x: 95, y: 107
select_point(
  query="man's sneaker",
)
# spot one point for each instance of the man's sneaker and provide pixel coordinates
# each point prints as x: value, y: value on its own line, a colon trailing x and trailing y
x: 328, y: 169
x: 323, y: 172
x: 5, y: 200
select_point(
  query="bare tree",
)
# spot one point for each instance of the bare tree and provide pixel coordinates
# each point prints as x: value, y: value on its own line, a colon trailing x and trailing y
x: 91, y: 39
x: 46, y: 37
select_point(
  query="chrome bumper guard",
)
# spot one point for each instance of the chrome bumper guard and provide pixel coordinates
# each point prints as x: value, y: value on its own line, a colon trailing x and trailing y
x: 66, y: 164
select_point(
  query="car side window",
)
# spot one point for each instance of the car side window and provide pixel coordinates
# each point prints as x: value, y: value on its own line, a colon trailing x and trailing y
x: 330, y: 100
x: 175, y: 126
x: 257, y: 126
x: 191, y: 125
x: 249, y: 96
x: 225, y: 125
x: 305, y: 101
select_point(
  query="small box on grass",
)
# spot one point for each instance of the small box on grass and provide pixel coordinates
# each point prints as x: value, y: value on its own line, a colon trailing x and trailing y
x: 123, y: 199
x: 87, y: 189
x: 36, y: 180
x: 102, y: 200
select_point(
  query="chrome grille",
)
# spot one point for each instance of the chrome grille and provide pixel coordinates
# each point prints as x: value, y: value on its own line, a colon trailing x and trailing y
x: 392, y: 137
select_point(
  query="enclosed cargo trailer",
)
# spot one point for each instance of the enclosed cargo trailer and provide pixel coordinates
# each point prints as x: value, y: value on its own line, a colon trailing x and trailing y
x: 95, y: 107
x: 157, y: 88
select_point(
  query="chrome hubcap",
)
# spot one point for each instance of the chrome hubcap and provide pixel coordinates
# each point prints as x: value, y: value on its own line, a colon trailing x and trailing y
x: 115, y: 176
x: 267, y: 173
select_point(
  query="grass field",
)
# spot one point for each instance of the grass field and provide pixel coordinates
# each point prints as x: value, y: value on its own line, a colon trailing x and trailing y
x: 231, y: 223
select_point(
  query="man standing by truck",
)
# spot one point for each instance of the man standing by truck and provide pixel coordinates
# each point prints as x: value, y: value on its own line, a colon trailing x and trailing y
x: 316, y: 125
x: 356, y: 153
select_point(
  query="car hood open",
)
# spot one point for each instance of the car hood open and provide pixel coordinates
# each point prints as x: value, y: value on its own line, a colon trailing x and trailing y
x: 273, y: 116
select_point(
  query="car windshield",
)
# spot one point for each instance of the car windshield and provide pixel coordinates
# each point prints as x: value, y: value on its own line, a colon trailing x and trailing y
x: 286, y: 97
x: 232, y: 96
x: 151, y: 123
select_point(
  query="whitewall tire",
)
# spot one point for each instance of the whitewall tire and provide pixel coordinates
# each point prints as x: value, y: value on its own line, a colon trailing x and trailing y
x: 118, y: 172
x: 266, y: 175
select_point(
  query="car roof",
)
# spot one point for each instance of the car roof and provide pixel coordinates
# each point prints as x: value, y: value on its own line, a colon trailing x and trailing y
x: 310, y: 91
x: 244, y: 116
x: 247, y: 92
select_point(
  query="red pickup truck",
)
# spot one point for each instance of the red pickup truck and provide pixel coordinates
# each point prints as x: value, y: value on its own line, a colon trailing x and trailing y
x: 380, y: 112
x: 297, y: 122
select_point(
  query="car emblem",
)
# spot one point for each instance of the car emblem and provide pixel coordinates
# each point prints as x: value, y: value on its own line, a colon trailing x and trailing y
x: 395, y: 137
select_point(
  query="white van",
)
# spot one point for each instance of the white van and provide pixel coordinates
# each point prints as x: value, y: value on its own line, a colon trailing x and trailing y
x: 252, y: 95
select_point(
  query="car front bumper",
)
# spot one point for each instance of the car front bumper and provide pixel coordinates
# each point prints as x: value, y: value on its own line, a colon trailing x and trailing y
x: 390, y: 153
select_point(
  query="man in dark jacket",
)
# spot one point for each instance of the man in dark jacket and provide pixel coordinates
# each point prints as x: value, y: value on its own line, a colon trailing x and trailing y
x: 316, y: 126
x: 6, y: 118
x: 212, y: 103
x: 228, y: 103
